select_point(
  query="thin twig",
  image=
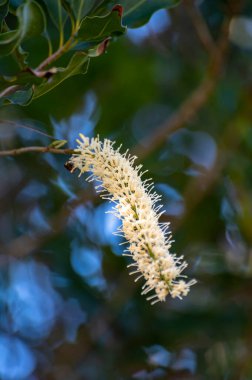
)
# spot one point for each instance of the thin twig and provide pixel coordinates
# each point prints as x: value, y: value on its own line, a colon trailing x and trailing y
x: 56, y: 55
x: 19, y: 125
x: 9, y: 90
x: 38, y: 149
x: 192, y: 104
x: 201, y: 27
x: 199, y: 187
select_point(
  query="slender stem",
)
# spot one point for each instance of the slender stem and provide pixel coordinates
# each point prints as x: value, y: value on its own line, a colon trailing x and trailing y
x: 79, y: 13
x: 38, y: 149
x: 63, y: 48
x: 50, y: 47
x: 9, y: 90
x: 19, y: 125
x: 56, y: 55
x: 61, y: 28
x: 201, y: 27
x: 189, y: 108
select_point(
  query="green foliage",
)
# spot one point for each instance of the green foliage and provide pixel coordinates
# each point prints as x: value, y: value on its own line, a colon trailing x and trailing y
x: 139, y: 12
x: 77, y: 65
x: 40, y: 52
x: 31, y: 22
x: 96, y: 29
x: 31, y: 83
x: 58, y: 144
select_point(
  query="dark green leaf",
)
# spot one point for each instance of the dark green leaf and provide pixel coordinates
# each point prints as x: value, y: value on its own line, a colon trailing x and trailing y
x: 98, y: 28
x: 8, y: 41
x: 67, y: 7
x: 56, y: 12
x: 31, y: 19
x: 80, y: 8
x: 135, y: 12
x: 21, y: 96
x: 138, y: 12
x: 77, y: 65
x: 8, y: 66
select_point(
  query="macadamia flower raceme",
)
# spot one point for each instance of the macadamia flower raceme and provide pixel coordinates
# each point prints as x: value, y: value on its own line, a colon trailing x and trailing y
x: 136, y: 206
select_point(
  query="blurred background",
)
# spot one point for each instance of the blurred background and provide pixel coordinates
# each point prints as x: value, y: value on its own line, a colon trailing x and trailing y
x: 177, y: 92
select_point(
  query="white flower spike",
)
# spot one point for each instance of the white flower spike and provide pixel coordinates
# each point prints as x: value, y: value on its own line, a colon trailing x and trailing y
x: 136, y: 206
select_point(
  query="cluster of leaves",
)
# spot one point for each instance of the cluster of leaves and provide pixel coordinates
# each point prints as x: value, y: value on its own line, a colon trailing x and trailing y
x: 43, y: 44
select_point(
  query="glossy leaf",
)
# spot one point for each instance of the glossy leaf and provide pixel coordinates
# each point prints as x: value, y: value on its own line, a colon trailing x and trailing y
x: 8, y: 41
x: 93, y: 29
x: 98, y: 28
x: 31, y: 19
x: 31, y: 84
x: 138, y: 12
x: 77, y: 65
x: 21, y: 96
x: 81, y: 8
x: 56, y: 12
x: 31, y: 22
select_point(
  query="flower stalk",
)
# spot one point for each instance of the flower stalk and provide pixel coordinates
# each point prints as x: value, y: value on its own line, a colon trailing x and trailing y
x: 136, y: 204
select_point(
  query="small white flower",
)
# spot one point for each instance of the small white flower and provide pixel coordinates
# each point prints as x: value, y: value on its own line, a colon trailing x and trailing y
x: 136, y: 206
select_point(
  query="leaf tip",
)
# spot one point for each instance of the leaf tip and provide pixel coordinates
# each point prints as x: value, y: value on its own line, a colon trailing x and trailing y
x: 103, y: 46
x: 118, y: 8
